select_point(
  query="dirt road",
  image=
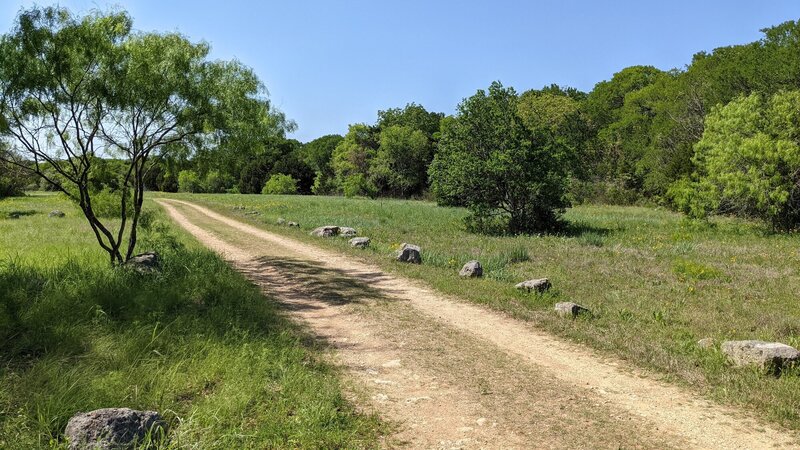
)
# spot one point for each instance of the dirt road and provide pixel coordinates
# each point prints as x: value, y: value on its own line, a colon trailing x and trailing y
x: 455, y: 375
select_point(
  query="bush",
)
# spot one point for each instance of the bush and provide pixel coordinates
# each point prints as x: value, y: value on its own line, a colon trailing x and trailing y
x: 510, y: 174
x: 280, y: 184
x: 189, y: 181
x: 748, y: 162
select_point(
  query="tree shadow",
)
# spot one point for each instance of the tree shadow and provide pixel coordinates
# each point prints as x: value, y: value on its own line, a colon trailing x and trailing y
x: 296, y: 278
x: 580, y: 229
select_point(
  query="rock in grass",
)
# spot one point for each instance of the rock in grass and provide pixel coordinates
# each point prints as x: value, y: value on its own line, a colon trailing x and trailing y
x: 56, y: 213
x: 472, y: 269
x: 326, y: 231
x: 705, y: 343
x: 569, y: 309
x: 410, y: 253
x: 538, y: 285
x: 281, y: 221
x: 144, y: 263
x: 294, y: 224
x: 347, y: 232
x: 360, y: 242
x: 770, y: 356
x: 113, y: 428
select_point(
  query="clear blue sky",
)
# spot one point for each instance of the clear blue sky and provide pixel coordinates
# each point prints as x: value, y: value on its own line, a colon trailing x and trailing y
x: 330, y: 63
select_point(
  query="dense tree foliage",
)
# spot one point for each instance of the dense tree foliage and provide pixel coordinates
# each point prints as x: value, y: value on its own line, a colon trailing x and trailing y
x: 509, y: 170
x: 748, y: 161
x: 644, y: 135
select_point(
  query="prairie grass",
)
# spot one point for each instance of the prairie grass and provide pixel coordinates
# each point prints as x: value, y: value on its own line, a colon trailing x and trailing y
x: 656, y: 283
x: 196, y: 342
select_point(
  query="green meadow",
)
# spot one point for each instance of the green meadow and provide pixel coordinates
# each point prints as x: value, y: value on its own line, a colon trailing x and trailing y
x: 196, y: 342
x: 655, y: 282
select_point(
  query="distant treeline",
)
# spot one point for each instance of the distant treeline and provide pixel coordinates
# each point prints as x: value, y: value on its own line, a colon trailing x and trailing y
x: 635, y: 133
x: 632, y: 139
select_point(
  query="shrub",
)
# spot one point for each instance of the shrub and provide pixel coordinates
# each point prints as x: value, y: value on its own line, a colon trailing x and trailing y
x: 748, y: 162
x: 189, y: 181
x: 280, y: 184
x: 506, y: 171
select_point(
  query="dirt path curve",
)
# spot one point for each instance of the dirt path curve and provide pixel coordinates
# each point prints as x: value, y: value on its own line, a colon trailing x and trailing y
x: 603, y: 387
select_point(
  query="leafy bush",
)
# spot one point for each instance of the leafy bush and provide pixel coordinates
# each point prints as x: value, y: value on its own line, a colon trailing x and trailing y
x: 509, y: 173
x: 280, y: 184
x: 748, y: 162
x: 189, y: 181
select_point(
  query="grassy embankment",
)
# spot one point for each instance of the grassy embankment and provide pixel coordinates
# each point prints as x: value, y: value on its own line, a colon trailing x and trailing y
x: 656, y: 283
x: 197, y: 343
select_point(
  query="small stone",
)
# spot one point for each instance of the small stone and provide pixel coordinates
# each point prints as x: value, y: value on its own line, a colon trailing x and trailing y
x: 347, y: 232
x: 381, y: 397
x: 705, y: 343
x: 410, y: 253
x: 481, y: 422
x: 144, y: 263
x: 281, y: 221
x: 472, y: 269
x: 56, y: 213
x: 326, y: 231
x: 294, y: 224
x: 538, y: 285
x: 569, y: 309
x: 770, y: 356
x: 113, y: 428
x: 360, y: 242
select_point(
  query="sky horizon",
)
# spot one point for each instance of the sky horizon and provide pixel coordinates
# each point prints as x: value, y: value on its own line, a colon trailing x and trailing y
x: 329, y: 64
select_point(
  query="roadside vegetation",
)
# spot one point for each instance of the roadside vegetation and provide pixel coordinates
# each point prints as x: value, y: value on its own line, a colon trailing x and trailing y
x: 655, y: 282
x: 196, y: 342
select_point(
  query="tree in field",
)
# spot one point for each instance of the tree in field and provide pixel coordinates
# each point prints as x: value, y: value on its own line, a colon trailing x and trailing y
x: 748, y: 162
x: 77, y: 89
x: 510, y: 174
x: 280, y: 184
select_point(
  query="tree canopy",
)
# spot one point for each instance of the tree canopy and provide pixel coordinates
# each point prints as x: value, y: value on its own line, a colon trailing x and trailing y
x: 508, y: 171
x: 74, y: 89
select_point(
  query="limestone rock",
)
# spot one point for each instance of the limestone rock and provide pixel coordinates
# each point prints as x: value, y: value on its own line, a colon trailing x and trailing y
x: 56, y: 213
x: 538, y: 285
x: 569, y: 309
x: 281, y: 221
x: 294, y: 224
x: 410, y: 253
x: 771, y: 356
x: 360, y: 242
x: 347, y: 232
x: 471, y: 269
x: 144, y: 263
x: 326, y: 231
x: 112, y: 428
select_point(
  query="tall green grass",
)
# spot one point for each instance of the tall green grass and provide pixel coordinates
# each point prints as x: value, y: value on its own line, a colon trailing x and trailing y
x: 656, y: 283
x: 196, y: 342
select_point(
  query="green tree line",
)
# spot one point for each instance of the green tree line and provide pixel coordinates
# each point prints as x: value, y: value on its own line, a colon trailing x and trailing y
x: 719, y: 135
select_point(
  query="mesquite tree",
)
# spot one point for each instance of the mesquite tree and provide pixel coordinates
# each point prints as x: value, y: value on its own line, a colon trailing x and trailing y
x: 76, y: 89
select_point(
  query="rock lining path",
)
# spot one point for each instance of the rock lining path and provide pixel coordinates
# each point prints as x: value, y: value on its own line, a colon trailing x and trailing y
x: 427, y: 361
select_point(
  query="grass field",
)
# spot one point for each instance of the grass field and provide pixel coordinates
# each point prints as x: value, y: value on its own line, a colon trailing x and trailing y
x: 655, y: 283
x: 197, y: 342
